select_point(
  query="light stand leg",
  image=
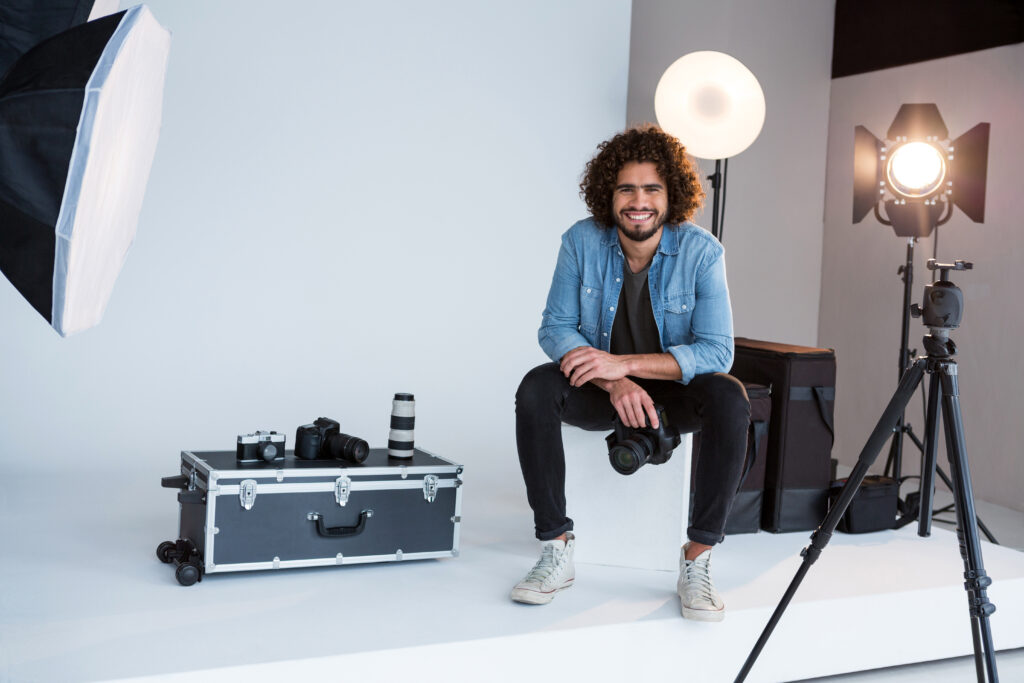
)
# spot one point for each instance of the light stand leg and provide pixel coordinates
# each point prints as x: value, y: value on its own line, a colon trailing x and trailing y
x: 716, y: 181
x: 928, y: 460
x: 820, y: 538
x: 975, y: 579
x: 896, y: 449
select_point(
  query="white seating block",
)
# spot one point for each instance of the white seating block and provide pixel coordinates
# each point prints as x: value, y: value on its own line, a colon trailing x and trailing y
x: 634, y: 521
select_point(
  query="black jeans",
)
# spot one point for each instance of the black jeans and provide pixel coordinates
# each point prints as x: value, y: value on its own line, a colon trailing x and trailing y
x: 716, y: 404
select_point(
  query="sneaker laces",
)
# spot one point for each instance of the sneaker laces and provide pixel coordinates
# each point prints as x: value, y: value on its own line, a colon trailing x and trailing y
x: 699, y: 578
x: 546, y: 565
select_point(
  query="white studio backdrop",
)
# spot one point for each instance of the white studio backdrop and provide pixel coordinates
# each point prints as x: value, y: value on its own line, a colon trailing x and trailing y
x: 348, y: 200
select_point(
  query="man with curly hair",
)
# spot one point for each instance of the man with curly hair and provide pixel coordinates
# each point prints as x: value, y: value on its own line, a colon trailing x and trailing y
x: 638, y: 313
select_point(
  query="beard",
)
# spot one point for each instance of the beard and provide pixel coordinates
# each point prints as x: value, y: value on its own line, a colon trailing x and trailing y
x: 636, y: 234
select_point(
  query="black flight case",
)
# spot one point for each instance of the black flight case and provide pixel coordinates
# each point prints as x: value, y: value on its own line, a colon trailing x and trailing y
x: 239, y: 516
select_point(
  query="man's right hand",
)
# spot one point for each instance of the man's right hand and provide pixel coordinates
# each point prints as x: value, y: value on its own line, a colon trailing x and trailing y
x: 631, y: 402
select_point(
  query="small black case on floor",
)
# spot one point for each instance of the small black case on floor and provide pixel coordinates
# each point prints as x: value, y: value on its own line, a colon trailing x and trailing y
x: 872, y: 509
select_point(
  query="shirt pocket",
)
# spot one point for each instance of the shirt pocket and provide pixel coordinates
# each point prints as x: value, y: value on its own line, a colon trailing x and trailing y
x: 678, y: 313
x: 590, y: 308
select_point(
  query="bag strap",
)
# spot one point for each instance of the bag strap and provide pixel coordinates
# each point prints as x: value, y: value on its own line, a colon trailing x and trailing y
x: 820, y: 395
x: 756, y: 433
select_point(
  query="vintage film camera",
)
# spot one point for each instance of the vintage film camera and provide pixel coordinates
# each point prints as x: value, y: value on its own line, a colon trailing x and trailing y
x: 260, y: 446
x: 629, y: 448
x: 323, y: 440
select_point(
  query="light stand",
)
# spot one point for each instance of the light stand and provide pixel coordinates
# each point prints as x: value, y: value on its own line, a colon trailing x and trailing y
x: 917, y: 174
x: 715, y: 106
x: 942, y: 311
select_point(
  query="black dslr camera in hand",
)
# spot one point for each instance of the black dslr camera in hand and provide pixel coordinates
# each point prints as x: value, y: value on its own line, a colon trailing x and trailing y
x: 630, y: 448
x: 323, y: 440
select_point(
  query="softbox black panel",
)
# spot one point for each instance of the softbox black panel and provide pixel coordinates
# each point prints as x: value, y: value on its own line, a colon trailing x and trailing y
x: 79, y: 120
x: 24, y: 23
x: 918, y: 121
x: 913, y: 219
x: 969, y: 171
x: 866, y: 174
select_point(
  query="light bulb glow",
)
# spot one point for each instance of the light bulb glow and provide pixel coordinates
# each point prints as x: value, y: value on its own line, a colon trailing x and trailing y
x: 916, y: 169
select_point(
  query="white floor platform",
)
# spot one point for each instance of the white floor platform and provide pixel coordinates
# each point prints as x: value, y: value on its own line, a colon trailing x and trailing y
x: 84, y: 598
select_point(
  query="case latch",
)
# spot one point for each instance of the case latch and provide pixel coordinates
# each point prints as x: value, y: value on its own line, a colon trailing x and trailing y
x: 247, y: 493
x: 342, y: 486
x: 430, y: 487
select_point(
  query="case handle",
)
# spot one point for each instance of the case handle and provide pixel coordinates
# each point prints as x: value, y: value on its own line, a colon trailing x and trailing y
x: 339, y: 531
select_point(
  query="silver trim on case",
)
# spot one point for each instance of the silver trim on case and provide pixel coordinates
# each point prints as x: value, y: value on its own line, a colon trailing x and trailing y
x: 199, y: 463
x: 324, y: 561
x: 328, y: 486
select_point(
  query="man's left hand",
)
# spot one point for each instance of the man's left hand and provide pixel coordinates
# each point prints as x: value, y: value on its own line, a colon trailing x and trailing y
x: 585, y: 363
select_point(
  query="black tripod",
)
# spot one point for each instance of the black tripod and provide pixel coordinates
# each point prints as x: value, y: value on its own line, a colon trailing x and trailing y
x: 918, y: 505
x: 942, y: 311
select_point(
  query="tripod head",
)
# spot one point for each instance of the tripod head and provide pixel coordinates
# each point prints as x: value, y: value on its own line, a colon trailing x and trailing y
x: 942, y: 310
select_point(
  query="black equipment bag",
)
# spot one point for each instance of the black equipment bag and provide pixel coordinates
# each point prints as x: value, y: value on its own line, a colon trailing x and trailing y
x: 801, y: 432
x: 872, y: 509
x: 745, y: 515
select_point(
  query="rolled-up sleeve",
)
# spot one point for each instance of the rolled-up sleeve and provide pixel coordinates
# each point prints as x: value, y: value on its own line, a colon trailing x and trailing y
x: 559, y: 327
x: 711, y: 324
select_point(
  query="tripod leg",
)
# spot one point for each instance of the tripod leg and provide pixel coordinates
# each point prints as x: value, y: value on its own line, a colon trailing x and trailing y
x: 931, y: 442
x: 820, y: 538
x: 981, y: 525
x: 976, y: 580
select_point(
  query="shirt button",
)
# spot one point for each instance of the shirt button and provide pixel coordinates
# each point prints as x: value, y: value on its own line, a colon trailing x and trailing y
x: 684, y: 307
x: 612, y: 308
x: 604, y: 334
x: 618, y: 279
x: 588, y: 290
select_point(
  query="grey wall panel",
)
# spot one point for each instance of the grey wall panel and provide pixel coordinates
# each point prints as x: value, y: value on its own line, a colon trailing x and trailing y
x: 776, y: 187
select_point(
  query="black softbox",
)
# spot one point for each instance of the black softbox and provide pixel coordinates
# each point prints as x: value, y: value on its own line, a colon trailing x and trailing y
x: 79, y: 120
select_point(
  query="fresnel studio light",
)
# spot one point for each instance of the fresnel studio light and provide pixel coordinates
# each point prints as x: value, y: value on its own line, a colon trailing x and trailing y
x: 917, y: 174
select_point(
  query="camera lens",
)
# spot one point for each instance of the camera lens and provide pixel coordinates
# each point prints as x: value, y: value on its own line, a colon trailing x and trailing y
x: 347, y: 447
x: 267, y: 450
x: 629, y: 455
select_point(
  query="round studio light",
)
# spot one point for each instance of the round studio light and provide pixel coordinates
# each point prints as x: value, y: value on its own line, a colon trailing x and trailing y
x: 916, y: 169
x: 711, y: 102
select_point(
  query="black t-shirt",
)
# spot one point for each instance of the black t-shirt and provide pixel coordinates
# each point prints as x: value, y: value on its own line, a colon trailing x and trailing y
x: 634, y: 329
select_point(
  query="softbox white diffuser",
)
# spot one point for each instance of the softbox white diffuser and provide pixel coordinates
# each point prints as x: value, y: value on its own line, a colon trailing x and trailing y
x: 79, y: 120
x: 712, y: 103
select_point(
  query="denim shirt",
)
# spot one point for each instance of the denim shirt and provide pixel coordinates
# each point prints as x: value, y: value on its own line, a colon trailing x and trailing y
x: 689, y: 296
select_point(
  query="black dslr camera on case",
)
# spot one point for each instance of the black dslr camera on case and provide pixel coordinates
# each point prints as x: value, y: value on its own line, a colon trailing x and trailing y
x: 629, y: 448
x: 323, y: 440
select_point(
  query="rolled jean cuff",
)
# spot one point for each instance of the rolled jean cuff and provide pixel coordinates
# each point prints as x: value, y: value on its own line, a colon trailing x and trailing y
x: 549, y: 535
x: 704, y: 537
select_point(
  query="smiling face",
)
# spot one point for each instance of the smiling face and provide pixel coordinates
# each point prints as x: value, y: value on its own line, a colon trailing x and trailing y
x: 639, y: 201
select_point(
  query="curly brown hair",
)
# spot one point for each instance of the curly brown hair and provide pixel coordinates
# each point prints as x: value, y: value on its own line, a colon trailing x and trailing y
x: 642, y: 144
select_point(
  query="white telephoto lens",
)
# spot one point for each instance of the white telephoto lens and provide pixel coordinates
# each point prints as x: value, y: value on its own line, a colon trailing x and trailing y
x: 403, y: 422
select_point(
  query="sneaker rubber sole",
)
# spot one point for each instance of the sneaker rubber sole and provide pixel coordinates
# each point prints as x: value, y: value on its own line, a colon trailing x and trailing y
x: 702, y: 614
x: 528, y: 596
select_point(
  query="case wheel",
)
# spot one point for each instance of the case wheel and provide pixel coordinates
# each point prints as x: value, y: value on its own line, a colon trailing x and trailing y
x: 165, y: 551
x: 188, y: 573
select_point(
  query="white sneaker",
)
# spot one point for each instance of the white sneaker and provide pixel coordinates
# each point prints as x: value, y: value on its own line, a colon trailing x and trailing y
x: 553, y: 572
x: 697, y: 595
